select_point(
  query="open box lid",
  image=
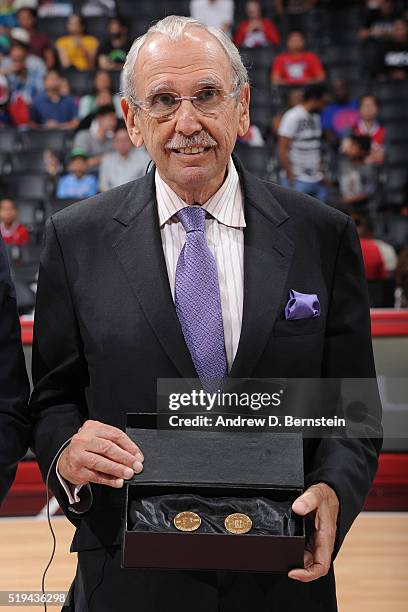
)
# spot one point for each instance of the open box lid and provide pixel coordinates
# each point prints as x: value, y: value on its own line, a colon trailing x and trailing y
x: 178, y: 456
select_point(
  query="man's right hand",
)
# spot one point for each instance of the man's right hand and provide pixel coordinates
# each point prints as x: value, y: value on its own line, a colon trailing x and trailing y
x: 102, y: 454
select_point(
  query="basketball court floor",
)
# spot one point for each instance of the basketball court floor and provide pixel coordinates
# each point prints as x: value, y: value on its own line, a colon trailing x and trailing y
x: 371, y: 569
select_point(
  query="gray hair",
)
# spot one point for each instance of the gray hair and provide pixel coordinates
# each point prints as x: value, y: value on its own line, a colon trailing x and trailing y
x: 174, y: 27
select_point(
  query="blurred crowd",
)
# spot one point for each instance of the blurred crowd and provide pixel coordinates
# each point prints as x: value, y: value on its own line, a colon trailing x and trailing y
x: 329, y: 112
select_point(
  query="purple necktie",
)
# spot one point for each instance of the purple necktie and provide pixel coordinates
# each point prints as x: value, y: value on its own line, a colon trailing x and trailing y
x: 198, y: 302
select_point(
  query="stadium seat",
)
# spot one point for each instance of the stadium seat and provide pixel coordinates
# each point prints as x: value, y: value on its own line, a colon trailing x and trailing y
x: 261, y: 57
x: 395, y: 185
x: 340, y: 55
x: 391, y: 91
x: 53, y: 27
x: 97, y: 26
x: 79, y: 80
x: 397, y: 155
x: 262, y: 117
x: 395, y: 231
x: 394, y: 111
x: 396, y: 133
x: 31, y: 212
x: 345, y: 72
x: 44, y: 139
x: 28, y: 161
x: 259, y: 78
x: 9, y: 140
x: 146, y: 10
x: 260, y: 97
x: 4, y: 163
x: 308, y: 22
x: 29, y: 186
x: 115, y: 77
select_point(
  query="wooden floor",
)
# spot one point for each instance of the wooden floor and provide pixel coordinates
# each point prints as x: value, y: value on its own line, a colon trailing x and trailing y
x: 372, y: 568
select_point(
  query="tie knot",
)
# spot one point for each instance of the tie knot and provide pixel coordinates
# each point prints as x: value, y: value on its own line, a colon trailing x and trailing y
x: 192, y: 218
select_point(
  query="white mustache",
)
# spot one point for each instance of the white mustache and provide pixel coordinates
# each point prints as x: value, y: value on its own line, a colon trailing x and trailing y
x: 203, y: 139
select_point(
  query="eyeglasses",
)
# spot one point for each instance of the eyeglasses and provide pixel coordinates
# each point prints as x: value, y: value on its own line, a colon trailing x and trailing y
x: 208, y: 101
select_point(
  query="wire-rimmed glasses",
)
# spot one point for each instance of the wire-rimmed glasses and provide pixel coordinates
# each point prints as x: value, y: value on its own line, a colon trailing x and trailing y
x: 208, y: 100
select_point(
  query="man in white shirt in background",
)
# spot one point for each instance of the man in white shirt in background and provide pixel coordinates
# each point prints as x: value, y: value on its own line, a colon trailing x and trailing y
x: 124, y: 164
x: 299, y: 144
x: 216, y: 13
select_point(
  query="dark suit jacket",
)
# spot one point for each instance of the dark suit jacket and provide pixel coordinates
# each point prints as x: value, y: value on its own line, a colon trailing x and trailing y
x: 106, y: 329
x: 14, y: 386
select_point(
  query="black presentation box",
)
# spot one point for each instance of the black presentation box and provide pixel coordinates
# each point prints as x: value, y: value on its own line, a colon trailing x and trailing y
x: 211, y: 467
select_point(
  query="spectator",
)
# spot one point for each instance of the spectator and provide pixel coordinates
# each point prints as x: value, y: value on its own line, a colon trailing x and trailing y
x: 368, y: 125
x: 54, y: 8
x: 102, y: 85
x: 401, y: 280
x: 21, y: 38
x: 112, y: 53
x: 98, y: 139
x: 256, y: 31
x: 392, y: 59
x: 53, y: 110
x: 389, y: 256
x: 379, y: 22
x: 297, y: 66
x: 5, y: 118
x: 24, y: 85
x: 124, y: 164
x: 12, y: 232
x: 8, y: 18
x: 97, y: 8
x: 388, y: 253
x: 216, y: 13
x: 51, y: 59
x: 78, y: 49
x: 357, y: 179
x: 372, y: 258
x: 299, y: 144
x: 39, y: 43
x: 77, y: 184
x: 339, y: 117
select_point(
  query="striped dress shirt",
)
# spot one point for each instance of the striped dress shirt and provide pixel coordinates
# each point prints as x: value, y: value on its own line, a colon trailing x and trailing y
x: 225, y: 237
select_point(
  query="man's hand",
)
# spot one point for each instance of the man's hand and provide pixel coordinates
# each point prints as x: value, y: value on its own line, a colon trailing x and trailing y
x: 100, y: 453
x: 323, y: 502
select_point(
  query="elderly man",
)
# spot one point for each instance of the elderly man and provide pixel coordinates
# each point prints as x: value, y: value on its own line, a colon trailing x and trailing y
x: 112, y: 318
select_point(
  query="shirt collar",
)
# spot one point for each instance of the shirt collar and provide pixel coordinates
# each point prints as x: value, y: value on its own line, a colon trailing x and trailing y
x: 225, y: 205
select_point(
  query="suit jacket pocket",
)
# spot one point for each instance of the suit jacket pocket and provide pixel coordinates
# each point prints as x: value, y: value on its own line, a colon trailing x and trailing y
x: 299, y: 327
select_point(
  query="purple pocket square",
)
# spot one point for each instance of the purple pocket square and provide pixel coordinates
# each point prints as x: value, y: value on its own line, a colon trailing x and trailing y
x: 302, y: 306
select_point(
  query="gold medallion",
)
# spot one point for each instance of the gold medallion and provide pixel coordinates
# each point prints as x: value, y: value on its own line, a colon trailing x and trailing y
x: 187, y: 521
x: 238, y: 523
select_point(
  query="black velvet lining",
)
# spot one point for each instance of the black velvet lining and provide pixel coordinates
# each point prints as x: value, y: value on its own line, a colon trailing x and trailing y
x: 157, y: 513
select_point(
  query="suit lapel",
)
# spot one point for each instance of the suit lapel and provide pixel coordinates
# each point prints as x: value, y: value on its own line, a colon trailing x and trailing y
x: 267, y: 256
x: 140, y: 253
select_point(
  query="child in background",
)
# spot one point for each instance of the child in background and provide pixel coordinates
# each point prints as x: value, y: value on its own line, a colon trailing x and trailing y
x: 77, y: 184
x: 12, y: 232
x: 358, y: 180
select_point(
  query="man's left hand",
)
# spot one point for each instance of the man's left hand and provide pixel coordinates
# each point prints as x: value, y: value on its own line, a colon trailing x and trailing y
x: 321, y: 500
